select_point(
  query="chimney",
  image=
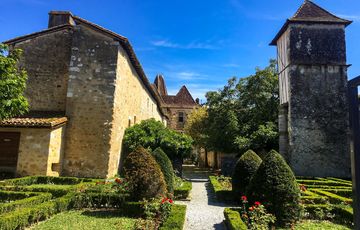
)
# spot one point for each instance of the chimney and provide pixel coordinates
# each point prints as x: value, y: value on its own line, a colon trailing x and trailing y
x: 58, y: 18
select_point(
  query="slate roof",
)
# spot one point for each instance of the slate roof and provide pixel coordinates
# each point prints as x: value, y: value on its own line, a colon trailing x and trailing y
x: 310, y: 12
x: 121, y: 39
x: 183, y: 97
x: 36, y: 119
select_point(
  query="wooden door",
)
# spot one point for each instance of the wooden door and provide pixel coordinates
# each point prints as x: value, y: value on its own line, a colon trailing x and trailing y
x: 9, y: 149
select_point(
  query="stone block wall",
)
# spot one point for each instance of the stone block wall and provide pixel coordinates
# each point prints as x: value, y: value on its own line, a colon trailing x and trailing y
x: 90, y: 100
x: 318, y: 121
x: 46, y: 59
x: 133, y: 103
x: 173, y: 113
x: 39, y: 149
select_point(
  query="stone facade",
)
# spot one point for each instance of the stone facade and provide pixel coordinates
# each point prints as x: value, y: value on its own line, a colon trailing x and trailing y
x: 314, y: 117
x: 93, y: 76
x: 41, y: 150
x: 177, y: 107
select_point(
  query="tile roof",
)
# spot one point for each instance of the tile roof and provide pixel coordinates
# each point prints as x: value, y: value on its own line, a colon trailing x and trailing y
x: 183, y: 97
x: 36, y: 119
x: 310, y: 12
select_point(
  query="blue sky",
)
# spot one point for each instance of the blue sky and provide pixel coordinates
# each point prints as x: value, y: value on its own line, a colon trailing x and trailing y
x: 197, y: 43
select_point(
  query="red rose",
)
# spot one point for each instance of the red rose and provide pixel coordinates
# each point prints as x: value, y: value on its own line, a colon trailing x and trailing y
x: 257, y: 203
x: 244, y: 198
x: 171, y: 201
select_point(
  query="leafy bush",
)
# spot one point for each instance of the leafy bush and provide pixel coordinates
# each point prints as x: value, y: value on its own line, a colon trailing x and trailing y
x: 166, y: 167
x: 152, y: 134
x: 275, y: 186
x: 143, y: 175
x: 244, y: 170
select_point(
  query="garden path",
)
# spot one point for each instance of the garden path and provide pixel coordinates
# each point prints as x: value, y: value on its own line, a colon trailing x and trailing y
x: 203, y: 211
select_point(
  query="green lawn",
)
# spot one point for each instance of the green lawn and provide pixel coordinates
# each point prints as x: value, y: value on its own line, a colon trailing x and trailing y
x: 319, y: 225
x: 88, y: 219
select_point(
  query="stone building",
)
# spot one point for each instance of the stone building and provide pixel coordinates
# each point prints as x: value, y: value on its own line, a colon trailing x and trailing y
x: 85, y: 87
x: 313, y: 119
x: 176, y: 107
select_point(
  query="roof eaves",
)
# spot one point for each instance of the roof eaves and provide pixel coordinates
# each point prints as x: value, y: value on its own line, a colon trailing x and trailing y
x: 36, y: 34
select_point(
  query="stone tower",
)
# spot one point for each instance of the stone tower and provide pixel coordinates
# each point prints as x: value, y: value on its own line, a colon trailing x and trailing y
x: 313, y: 118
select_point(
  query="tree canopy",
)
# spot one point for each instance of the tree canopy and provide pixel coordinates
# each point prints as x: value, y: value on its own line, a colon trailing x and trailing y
x: 152, y: 134
x: 243, y: 115
x: 12, y: 84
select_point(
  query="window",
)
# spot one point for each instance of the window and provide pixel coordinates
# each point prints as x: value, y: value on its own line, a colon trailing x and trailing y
x: 181, y: 117
x: 134, y: 120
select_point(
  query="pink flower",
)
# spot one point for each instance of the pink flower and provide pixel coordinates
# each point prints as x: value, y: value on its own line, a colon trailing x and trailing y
x: 257, y: 203
x: 251, y: 208
x: 244, y: 198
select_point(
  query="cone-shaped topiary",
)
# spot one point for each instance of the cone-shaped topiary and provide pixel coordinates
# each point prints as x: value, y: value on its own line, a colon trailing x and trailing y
x: 166, y: 167
x: 244, y: 170
x: 275, y: 186
x: 143, y: 175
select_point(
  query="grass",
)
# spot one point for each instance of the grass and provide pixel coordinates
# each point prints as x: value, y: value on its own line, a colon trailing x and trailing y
x: 318, y: 225
x: 87, y: 219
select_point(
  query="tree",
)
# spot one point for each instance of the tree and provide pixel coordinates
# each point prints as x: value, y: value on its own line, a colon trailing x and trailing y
x: 243, y: 115
x: 152, y: 134
x: 12, y: 84
x: 196, y: 126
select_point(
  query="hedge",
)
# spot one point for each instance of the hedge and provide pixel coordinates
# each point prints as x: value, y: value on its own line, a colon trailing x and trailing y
x: 31, y: 200
x: 336, y: 199
x: 99, y: 200
x: 343, y: 214
x: 221, y: 193
x: 176, y: 219
x: 26, y: 216
x: 183, y: 191
x: 55, y: 190
x: 322, y: 182
x: 233, y: 220
x: 29, y: 180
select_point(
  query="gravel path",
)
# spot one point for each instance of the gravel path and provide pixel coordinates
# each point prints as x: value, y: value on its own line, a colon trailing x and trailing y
x: 203, y: 212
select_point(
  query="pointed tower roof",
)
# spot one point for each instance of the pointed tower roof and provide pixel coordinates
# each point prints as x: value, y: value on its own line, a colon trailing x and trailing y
x: 160, y: 85
x: 184, y: 96
x: 310, y: 12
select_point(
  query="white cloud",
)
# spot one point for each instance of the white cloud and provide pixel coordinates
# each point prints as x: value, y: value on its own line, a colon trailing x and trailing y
x: 350, y: 17
x: 231, y: 65
x: 191, y: 45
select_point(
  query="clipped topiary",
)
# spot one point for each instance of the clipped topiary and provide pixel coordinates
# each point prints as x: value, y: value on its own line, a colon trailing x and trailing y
x: 275, y: 186
x: 166, y: 167
x: 143, y: 175
x: 244, y: 170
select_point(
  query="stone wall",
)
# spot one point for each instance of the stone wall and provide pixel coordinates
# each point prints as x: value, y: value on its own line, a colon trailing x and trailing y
x: 173, y: 113
x: 46, y: 59
x: 318, y: 121
x: 90, y: 101
x: 133, y: 103
x: 39, y: 148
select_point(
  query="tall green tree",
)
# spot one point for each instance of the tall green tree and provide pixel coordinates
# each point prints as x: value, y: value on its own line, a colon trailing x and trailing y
x: 243, y: 115
x: 12, y: 84
x: 196, y: 126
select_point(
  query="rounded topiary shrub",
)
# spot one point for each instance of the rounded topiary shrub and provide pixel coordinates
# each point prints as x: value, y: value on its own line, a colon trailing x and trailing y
x: 143, y: 175
x: 244, y: 170
x: 166, y: 167
x: 275, y: 186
